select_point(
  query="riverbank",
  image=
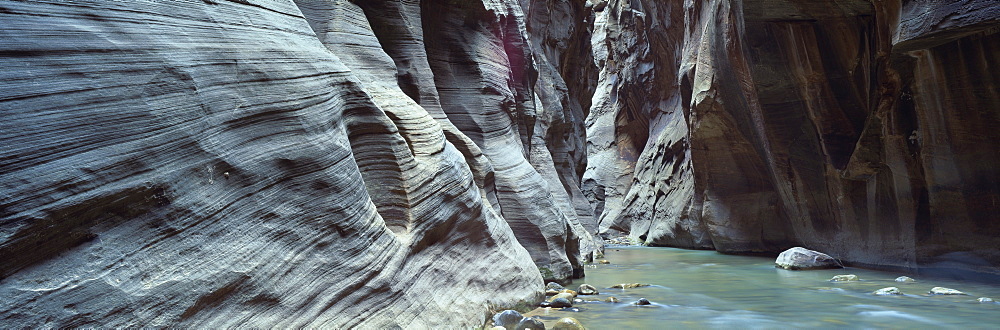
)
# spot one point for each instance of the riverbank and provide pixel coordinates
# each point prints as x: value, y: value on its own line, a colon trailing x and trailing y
x: 705, y: 289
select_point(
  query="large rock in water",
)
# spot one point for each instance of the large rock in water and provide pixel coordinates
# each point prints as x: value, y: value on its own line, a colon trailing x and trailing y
x: 798, y: 258
x: 307, y: 163
x: 864, y: 129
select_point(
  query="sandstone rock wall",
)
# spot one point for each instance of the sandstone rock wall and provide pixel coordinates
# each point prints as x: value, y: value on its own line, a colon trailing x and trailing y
x: 861, y: 129
x: 307, y: 163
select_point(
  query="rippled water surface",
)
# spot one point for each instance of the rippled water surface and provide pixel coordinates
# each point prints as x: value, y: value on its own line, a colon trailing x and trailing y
x: 705, y: 289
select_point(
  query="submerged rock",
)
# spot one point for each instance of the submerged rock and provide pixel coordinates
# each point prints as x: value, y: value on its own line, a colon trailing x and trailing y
x: 985, y: 300
x: 905, y: 279
x: 945, y: 291
x: 587, y: 289
x: 641, y: 302
x: 507, y: 319
x: 568, y: 323
x: 887, y: 291
x: 798, y: 258
x: 603, y: 262
x: 845, y: 278
x: 613, y: 300
x: 561, y: 303
x: 628, y: 285
x: 530, y: 323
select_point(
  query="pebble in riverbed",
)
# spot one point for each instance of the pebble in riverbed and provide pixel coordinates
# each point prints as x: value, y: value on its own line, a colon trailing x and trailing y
x: 628, y: 285
x: 905, y: 279
x: 945, y: 291
x: 887, y: 291
x: 587, y: 289
x: 561, y: 303
x: 613, y: 300
x: 566, y: 296
x: 845, y: 278
x: 530, y: 323
x: 568, y: 323
x: 507, y: 319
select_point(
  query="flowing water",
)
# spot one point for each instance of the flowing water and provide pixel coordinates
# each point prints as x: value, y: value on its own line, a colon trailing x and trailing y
x: 706, y: 289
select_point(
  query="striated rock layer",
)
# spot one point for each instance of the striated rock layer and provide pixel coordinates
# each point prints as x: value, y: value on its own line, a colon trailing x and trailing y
x: 861, y: 129
x: 307, y: 163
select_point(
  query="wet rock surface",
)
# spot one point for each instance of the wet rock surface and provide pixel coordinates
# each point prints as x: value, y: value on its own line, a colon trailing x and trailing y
x: 945, y: 291
x: 845, y: 278
x: 587, y: 289
x: 889, y: 291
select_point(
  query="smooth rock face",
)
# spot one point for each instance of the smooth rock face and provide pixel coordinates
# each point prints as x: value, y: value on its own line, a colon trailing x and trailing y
x: 860, y: 128
x: 798, y: 258
x: 286, y: 164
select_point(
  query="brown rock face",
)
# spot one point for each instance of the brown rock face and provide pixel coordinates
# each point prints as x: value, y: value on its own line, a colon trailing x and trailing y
x: 863, y: 130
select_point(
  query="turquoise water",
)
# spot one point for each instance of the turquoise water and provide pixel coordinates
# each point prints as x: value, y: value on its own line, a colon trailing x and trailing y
x: 705, y: 289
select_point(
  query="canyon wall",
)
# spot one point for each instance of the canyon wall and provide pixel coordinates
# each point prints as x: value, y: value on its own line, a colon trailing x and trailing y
x: 307, y: 163
x: 861, y: 129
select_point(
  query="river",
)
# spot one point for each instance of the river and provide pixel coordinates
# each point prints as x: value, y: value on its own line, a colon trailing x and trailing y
x: 706, y: 289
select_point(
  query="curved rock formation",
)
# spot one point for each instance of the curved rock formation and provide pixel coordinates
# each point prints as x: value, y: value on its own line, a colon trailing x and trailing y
x: 307, y: 163
x: 861, y: 129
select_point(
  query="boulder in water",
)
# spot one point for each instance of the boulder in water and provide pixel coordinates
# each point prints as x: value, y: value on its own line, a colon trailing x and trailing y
x: 613, y: 300
x: 587, y: 289
x: 985, y: 300
x: 845, y: 278
x: 945, y: 291
x: 628, y: 285
x: 507, y: 319
x: 905, y: 279
x: 887, y: 291
x: 798, y: 258
x: 561, y: 303
x: 568, y: 323
x: 530, y: 323
x: 603, y: 262
x: 569, y: 292
x: 553, y: 288
x: 641, y: 302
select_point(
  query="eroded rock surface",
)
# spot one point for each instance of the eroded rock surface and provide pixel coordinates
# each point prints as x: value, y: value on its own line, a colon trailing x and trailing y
x: 307, y: 163
x: 859, y: 128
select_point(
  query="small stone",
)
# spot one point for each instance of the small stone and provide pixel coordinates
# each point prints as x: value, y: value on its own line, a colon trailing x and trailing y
x: 845, y: 278
x: 554, y: 286
x: 628, y: 285
x: 603, y: 262
x: 945, y: 291
x: 613, y: 300
x: 569, y: 292
x: 564, y: 295
x: 905, y: 279
x: 985, y: 300
x: 530, y: 323
x: 641, y: 302
x: 887, y: 291
x: 507, y: 319
x: 561, y: 303
x: 798, y: 258
x: 587, y: 289
x: 568, y: 323
x: 544, y: 304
